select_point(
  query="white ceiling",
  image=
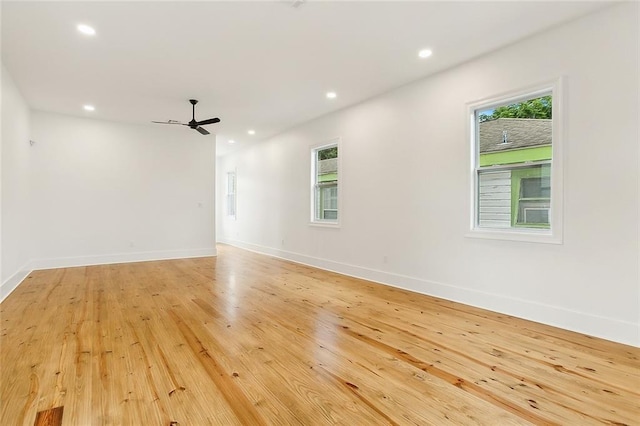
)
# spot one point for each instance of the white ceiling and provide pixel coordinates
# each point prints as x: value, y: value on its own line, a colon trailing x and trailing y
x: 256, y: 65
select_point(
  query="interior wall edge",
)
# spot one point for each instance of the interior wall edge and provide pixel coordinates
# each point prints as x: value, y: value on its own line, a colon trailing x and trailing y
x: 15, y: 217
x: 615, y: 330
x: 11, y: 283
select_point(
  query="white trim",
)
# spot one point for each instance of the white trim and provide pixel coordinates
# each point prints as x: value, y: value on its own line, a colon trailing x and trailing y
x: 68, y: 262
x: 529, y: 235
x: 607, y: 328
x: 7, y: 287
x: 557, y: 167
x: 555, y: 234
x: 325, y: 224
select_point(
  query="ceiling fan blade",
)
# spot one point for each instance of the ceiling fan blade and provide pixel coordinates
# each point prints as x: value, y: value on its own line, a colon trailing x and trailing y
x: 202, y: 130
x: 209, y: 121
x: 169, y: 122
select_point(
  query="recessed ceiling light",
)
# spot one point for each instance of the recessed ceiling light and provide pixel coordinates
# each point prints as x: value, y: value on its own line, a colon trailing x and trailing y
x: 331, y: 95
x: 85, y: 29
x: 425, y: 53
x: 251, y: 132
x: 89, y: 108
x: 232, y: 141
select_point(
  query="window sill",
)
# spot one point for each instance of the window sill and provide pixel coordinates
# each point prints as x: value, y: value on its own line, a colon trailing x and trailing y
x: 325, y: 224
x: 529, y: 235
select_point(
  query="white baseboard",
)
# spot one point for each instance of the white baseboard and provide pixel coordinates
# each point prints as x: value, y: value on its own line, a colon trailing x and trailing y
x: 12, y: 282
x: 607, y: 328
x: 68, y: 262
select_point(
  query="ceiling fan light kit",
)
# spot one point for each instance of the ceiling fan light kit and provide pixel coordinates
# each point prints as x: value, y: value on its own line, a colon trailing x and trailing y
x: 195, y: 125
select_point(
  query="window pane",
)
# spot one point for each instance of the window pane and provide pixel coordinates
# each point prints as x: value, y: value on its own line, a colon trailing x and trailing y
x: 231, y: 194
x: 536, y: 187
x: 330, y: 198
x: 515, y: 133
x: 231, y: 183
x: 514, y: 154
x: 331, y: 214
x: 231, y: 205
x: 327, y: 170
x: 534, y: 195
x: 494, y: 199
x: 327, y: 153
x: 536, y: 215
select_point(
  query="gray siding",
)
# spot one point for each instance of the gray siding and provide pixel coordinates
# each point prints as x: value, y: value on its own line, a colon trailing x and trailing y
x: 494, y: 205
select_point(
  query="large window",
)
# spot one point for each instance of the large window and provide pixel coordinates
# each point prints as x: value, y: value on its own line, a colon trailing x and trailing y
x: 516, y: 181
x: 324, y: 181
x: 231, y: 194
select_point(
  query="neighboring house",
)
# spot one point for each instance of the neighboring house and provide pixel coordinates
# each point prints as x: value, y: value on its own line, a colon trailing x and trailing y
x: 515, y: 195
x: 327, y: 204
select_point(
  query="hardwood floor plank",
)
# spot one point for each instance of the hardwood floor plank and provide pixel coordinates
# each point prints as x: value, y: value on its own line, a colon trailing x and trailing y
x: 51, y: 417
x: 249, y: 339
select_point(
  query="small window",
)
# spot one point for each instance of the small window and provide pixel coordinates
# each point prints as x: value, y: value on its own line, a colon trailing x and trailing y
x: 325, y: 169
x: 516, y: 181
x: 534, y: 200
x: 231, y: 194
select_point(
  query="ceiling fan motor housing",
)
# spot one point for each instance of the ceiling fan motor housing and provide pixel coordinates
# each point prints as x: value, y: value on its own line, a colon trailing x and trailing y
x: 193, y: 123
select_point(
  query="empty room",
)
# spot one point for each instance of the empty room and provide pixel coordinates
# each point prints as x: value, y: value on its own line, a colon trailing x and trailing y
x: 304, y: 212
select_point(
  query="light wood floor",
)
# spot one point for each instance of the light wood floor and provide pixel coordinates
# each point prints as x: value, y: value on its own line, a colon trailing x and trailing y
x: 248, y: 339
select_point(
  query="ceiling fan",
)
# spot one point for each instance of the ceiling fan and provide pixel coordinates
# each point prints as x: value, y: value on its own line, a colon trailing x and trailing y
x: 195, y: 125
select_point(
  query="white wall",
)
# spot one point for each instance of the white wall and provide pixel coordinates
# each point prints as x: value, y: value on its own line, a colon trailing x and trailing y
x: 105, y: 192
x: 15, y: 230
x: 405, y: 186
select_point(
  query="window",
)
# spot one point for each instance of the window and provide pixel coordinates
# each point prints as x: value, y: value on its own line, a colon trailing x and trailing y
x: 324, y: 181
x: 534, y: 201
x: 329, y: 202
x: 516, y: 185
x: 231, y: 194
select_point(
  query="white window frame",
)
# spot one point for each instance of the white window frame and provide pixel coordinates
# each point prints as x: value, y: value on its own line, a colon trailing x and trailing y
x: 554, y: 234
x: 313, y: 163
x: 232, y: 195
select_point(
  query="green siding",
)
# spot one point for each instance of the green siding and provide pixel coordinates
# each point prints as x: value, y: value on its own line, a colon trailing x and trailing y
x: 329, y: 177
x: 514, y: 156
x: 516, y: 177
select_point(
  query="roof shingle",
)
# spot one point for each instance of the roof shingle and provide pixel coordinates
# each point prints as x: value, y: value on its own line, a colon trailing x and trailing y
x: 520, y: 133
